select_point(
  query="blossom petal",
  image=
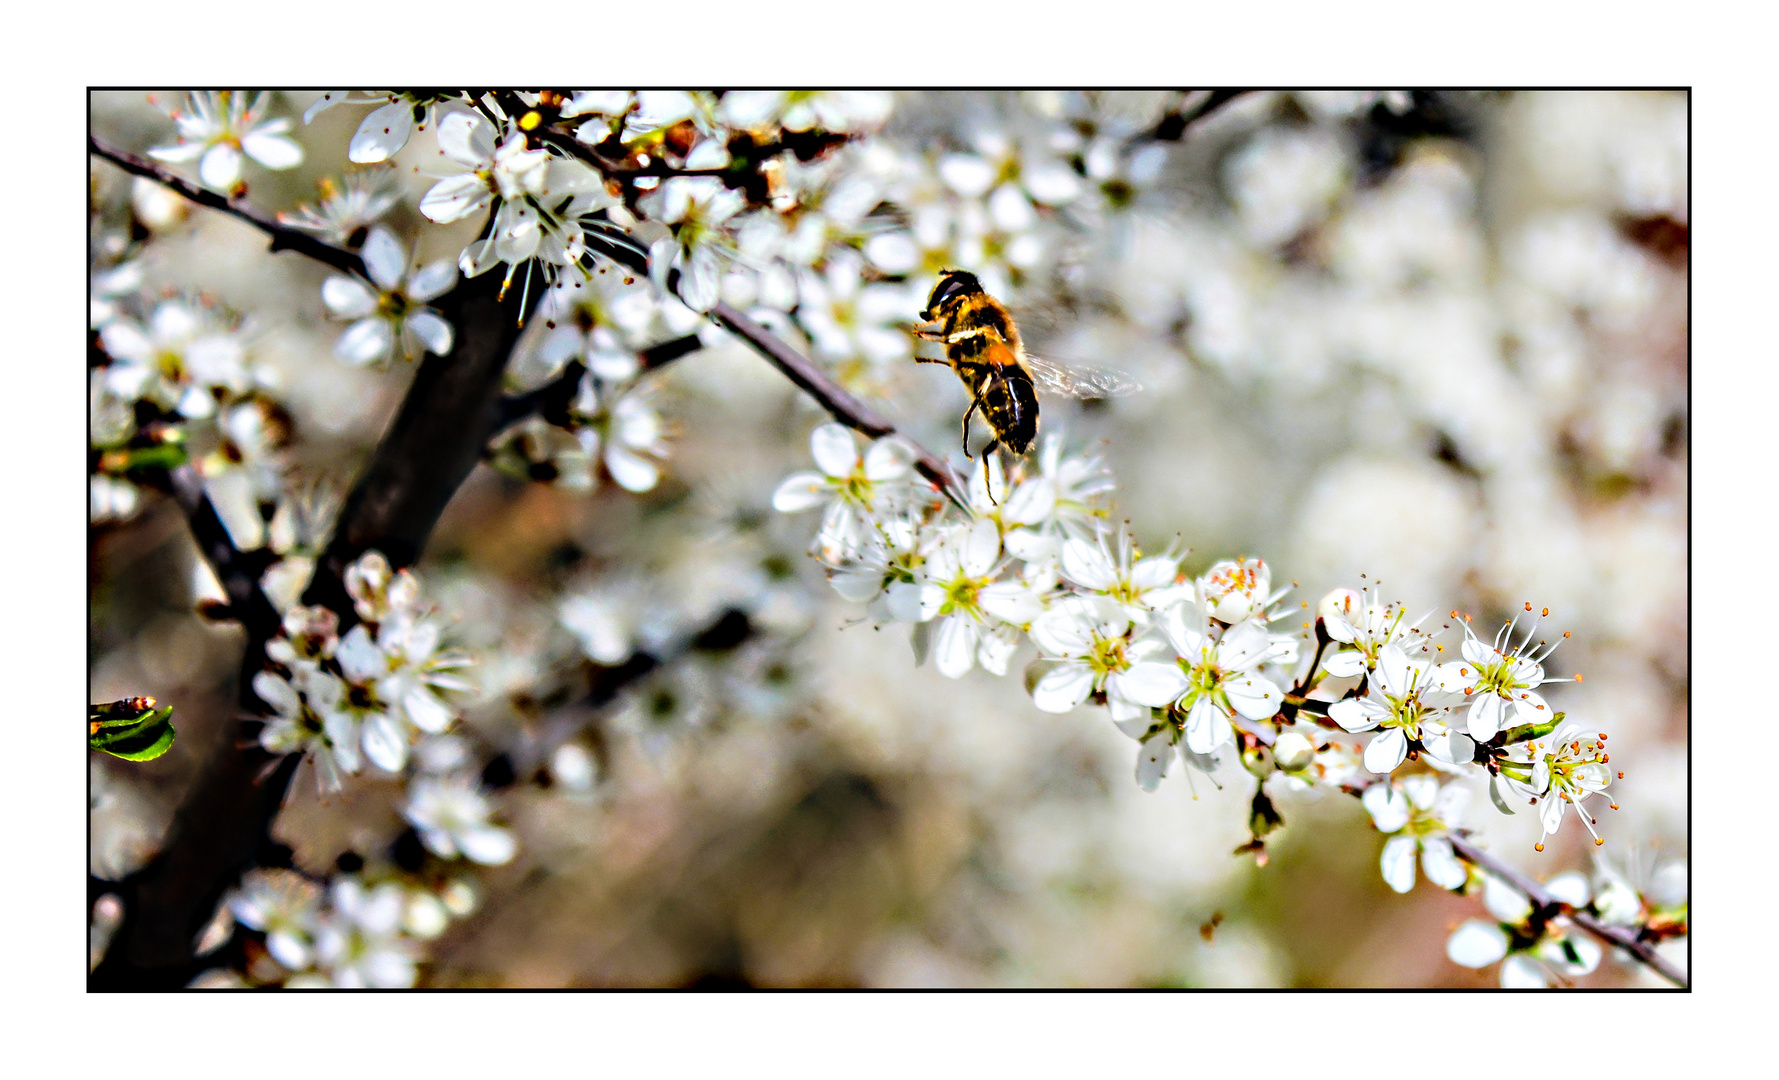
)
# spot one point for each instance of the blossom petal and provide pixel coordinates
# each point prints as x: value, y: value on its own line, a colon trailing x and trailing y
x: 365, y: 341
x: 348, y: 297
x: 273, y: 150
x: 432, y: 280
x: 1207, y: 727
x: 1153, y: 759
x: 1254, y: 697
x: 800, y: 491
x: 1351, y: 714
x: 1155, y: 684
x: 1344, y: 664
x: 834, y: 450
x: 1088, y: 565
x: 631, y: 470
x: 1442, y: 866
x: 1388, y: 807
x: 454, y: 197
x: 384, y: 258
x: 1477, y: 944
x: 1065, y: 687
x: 954, y: 646
x: 384, y: 743
x: 220, y: 169
x: 432, y: 329
x: 1386, y: 750
x: 1398, y: 863
x: 384, y: 131
x: 466, y: 139
x: 888, y: 459
x: 1486, y: 714
x: 489, y: 845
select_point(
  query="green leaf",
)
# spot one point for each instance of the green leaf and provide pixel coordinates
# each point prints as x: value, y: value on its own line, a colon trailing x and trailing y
x: 131, y: 729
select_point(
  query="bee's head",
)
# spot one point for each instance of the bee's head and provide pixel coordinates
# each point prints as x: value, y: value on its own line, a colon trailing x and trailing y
x: 952, y: 285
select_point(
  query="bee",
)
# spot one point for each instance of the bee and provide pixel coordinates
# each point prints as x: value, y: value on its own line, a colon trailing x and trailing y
x: 982, y: 345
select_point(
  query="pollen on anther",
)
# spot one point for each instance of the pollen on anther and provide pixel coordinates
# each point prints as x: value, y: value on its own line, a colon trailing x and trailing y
x: 1538, y: 847
x: 1578, y: 677
x: 1621, y: 774
x: 1528, y: 605
x: 1544, y: 613
x: 1565, y: 633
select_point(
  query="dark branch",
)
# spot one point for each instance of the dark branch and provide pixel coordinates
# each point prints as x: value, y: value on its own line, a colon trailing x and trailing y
x: 238, y: 571
x: 284, y: 238
x: 1173, y: 125
x: 222, y: 828
x: 551, y: 400
x: 1623, y: 937
x: 845, y: 408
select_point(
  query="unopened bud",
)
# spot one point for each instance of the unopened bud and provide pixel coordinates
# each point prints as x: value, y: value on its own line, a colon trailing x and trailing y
x: 1341, y: 602
x: 1292, y: 752
x: 1258, y: 759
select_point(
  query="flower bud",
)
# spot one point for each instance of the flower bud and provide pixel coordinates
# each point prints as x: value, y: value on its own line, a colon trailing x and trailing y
x: 1293, y: 751
x: 1257, y: 758
x: 1234, y: 589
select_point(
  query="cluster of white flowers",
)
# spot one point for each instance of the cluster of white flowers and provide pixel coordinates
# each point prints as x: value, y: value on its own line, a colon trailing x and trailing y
x: 367, y: 695
x: 350, y: 933
x: 1193, y: 666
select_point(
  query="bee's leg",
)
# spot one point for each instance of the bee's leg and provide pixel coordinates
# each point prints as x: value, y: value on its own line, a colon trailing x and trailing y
x: 931, y: 360
x: 967, y: 412
x: 933, y: 331
x: 987, y: 481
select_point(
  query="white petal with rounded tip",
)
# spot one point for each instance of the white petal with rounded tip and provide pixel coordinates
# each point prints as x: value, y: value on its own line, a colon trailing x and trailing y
x: 633, y: 472
x: 966, y: 174
x: 1010, y: 601
x: 1387, y: 805
x: 800, y: 491
x: 382, y: 132
x: 1155, y: 684
x: 1550, y: 812
x: 1386, y: 750
x: 1088, y: 565
x: 1344, y: 664
x: 273, y: 150
x: 1398, y: 863
x: 454, y: 197
x: 178, y: 155
x: 982, y: 545
x: 425, y: 711
x: 1254, y: 697
x: 220, y: 168
x: 1476, y: 944
x: 1486, y: 714
x: 488, y: 845
x: 1442, y: 865
x: 1065, y: 687
x: 347, y: 297
x: 466, y: 139
x: 1523, y: 973
x: 384, y: 744
x: 384, y: 258
x: 1153, y: 759
x: 431, y: 329
x: 834, y: 450
x: 365, y: 341
x: 431, y: 280
x: 1571, y: 888
x: 1340, y: 629
x: 888, y: 459
x: 1351, y: 714
x: 954, y: 646
x: 995, y: 651
x: 277, y: 693
x: 1051, y: 183
x: 519, y: 239
x: 1207, y: 727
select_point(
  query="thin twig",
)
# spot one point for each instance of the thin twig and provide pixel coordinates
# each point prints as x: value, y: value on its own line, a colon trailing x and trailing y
x: 1173, y: 126
x: 284, y: 238
x: 1627, y: 938
x: 551, y: 400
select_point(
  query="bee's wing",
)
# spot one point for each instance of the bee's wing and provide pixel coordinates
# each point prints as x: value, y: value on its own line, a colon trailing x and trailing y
x: 1080, y: 382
